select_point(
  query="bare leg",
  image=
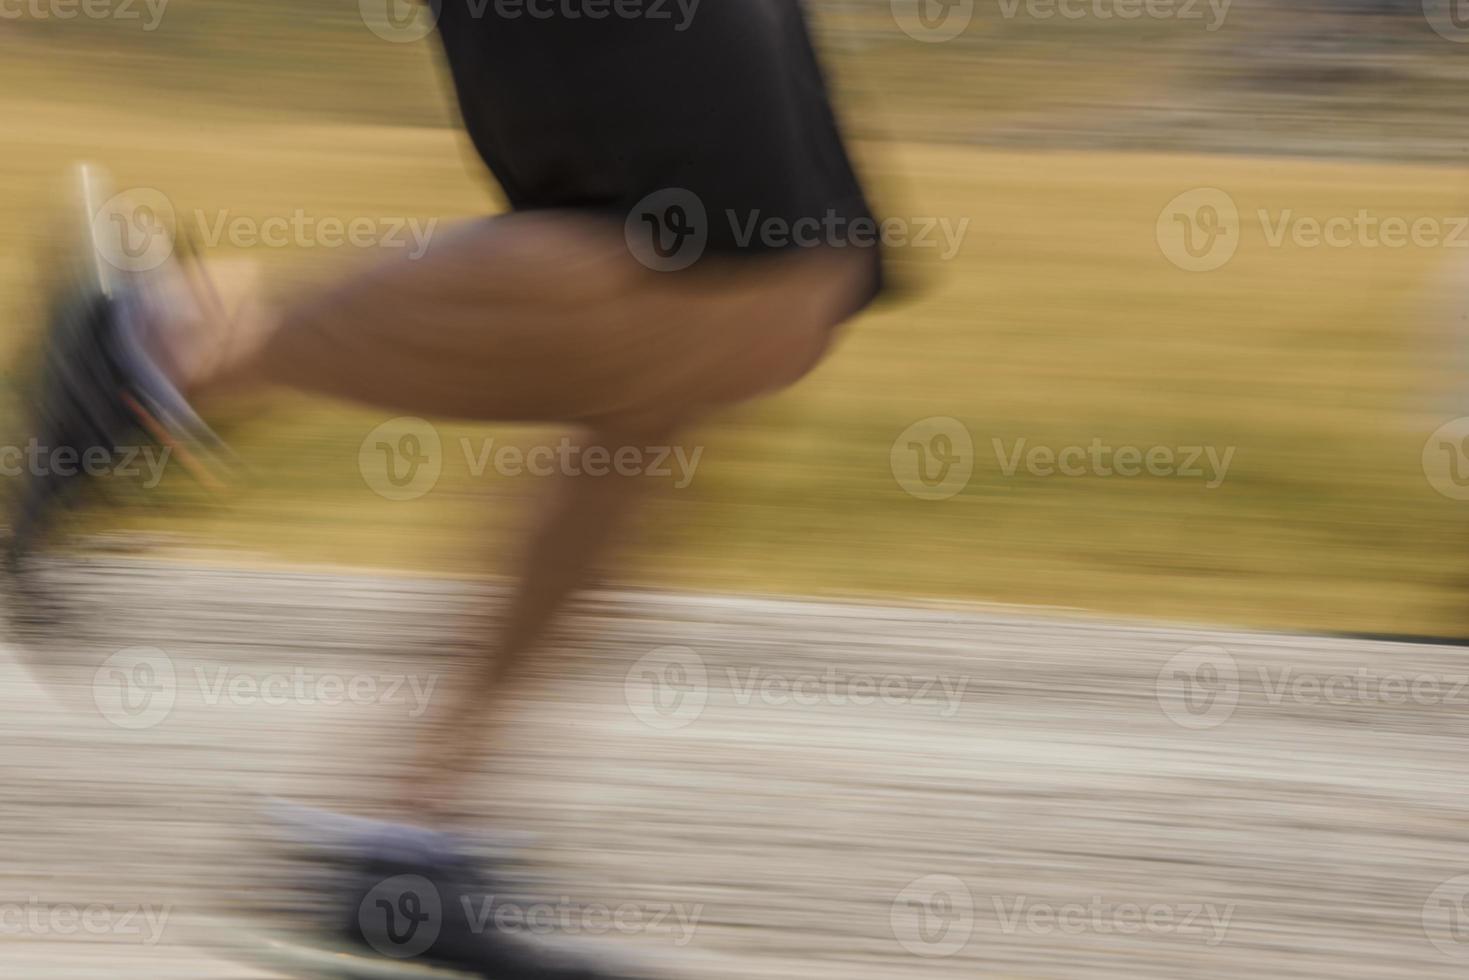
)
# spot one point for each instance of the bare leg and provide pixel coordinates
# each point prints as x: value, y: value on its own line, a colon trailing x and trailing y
x: 572, y: 531
x: 535, y: 318
x: 539, y: 317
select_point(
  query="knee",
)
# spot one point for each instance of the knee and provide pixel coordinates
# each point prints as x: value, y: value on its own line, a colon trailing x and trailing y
x: 803, y: 316
x: 790, y: 354
x: 745, y: 331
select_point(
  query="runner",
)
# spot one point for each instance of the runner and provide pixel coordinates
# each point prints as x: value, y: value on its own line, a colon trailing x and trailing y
x: 635, y: 286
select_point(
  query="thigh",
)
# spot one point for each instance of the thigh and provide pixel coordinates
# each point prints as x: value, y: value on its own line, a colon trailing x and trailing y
x: 548, y: 317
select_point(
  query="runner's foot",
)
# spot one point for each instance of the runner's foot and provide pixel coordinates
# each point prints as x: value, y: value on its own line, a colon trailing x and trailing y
x: 99, y: 390
x: 414, y: 895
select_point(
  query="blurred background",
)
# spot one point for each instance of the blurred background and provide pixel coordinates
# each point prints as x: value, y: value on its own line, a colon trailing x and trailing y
x: 1057, y: 135
x: 1185, y: 343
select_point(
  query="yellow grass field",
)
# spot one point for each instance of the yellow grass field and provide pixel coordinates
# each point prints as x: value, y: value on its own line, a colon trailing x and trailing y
x: 1059, y: 322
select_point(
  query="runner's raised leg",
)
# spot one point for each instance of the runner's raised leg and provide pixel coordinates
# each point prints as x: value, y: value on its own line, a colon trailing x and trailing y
x: 536, y: 318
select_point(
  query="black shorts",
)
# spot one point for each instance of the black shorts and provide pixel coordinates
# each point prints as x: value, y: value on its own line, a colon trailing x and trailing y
x: 663, y: 114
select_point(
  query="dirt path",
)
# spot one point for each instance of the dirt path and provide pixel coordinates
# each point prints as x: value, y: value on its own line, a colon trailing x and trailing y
x: 794, y: 790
